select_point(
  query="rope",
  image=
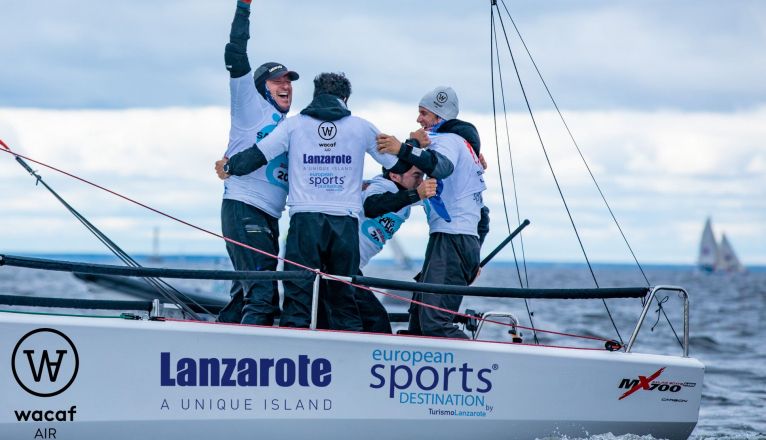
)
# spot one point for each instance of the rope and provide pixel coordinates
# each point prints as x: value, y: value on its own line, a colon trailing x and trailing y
x: 315, y: 271
x: 593, y: 338
x: 659, y: 307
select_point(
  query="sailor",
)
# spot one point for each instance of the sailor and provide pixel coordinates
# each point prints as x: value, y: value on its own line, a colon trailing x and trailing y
x: 326, y: 146
x: 452, y: 254
x: 253, y: 202
x: 387, y: 201
x: 468, y: 132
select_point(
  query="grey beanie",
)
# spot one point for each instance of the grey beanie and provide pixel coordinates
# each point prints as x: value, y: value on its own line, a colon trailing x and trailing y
x: 442, y: 101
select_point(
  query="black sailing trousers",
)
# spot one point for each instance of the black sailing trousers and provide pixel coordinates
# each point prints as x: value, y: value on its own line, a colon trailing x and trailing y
x: 374, y: 314
x: 252, y: 302
x: 450, y: 259
x: 329, y: 243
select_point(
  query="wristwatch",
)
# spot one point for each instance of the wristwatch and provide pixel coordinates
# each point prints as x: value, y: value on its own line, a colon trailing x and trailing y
x: 226, y: 168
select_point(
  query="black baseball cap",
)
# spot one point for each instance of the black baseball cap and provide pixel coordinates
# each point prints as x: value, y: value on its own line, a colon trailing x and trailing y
x: 400, y: 167
x: 273, y: 70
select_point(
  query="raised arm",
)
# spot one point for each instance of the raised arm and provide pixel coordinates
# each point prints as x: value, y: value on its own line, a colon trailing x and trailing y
x: 235, y: 53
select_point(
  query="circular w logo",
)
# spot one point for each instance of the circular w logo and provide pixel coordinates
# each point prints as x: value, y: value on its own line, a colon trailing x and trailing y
x: 327, y: 130
x: 45, y: 362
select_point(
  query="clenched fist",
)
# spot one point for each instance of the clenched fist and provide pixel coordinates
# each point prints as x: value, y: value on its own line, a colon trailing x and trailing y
x: 219, y: 168
x: 421, y: 136
x: 427, y: 189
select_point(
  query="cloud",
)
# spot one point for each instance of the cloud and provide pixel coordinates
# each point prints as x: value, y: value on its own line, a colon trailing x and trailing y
x: 644, y: 161
x: 691, y: 55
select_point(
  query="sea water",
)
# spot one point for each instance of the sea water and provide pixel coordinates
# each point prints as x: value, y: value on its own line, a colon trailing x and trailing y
x: 728, y: 321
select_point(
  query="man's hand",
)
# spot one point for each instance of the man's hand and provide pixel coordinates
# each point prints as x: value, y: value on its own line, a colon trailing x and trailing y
x: 421, y: 136
x: 219, y: 168
x: 388, y: 144
x: 482, y: 161
x: 427, y: 188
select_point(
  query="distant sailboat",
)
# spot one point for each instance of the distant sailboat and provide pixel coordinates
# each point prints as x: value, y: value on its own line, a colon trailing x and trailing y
x: 714, y: 257
x: 708, y: 256
x: 727, y: 259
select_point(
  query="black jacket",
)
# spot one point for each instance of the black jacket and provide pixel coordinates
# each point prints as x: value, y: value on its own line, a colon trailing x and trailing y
x: 465, y: 130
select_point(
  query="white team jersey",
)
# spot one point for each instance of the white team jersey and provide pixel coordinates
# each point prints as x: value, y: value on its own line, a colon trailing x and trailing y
x: 326, y: 162
x: 252, y: 119
x: 374, y: 232
x: 461, y: 195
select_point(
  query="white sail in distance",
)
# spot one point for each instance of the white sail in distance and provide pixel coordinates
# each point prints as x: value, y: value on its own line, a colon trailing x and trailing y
x: 708, y: 254
x: 727, y: 259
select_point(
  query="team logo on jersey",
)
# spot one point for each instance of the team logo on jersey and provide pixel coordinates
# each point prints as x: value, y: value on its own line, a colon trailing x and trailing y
x: 276, y: 171
x: 45, y: 362
x: 327, y: 130
x: 267, y: 129
x: 382, y: 228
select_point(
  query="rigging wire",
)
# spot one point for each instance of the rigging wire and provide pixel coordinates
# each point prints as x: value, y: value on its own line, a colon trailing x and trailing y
x: 497, y: 148
x: 585, y: 162
x: 494, y: 51
x: 165, y: 290
x: 550, y: 166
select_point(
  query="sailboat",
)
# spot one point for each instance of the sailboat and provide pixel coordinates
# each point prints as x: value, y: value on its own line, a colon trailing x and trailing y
x: 708, y: 255
x: 152, y: 375
x: 715, y: 257
x: 727, y: 259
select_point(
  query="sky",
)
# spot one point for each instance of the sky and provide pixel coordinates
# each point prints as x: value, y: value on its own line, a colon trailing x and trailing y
x: 666, y: 101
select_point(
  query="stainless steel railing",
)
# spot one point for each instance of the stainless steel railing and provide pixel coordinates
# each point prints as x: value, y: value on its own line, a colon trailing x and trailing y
x: 652, y: 294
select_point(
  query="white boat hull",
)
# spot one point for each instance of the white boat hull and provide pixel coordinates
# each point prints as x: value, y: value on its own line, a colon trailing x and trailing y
x: 142, y: 379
